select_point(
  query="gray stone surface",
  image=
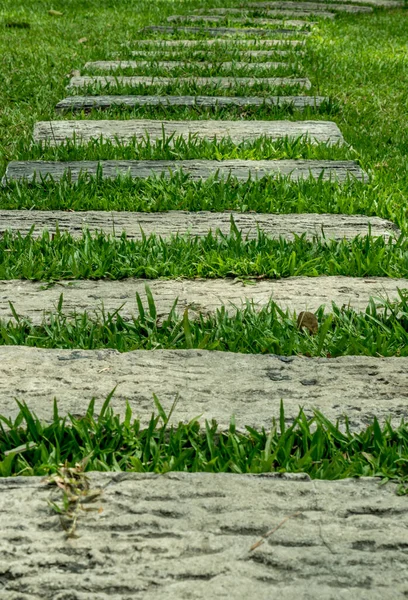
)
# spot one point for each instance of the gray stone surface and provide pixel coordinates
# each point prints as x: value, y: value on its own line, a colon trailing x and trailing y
x: 311, y: 6
x: 334, y: 5
x: 196, y: 169
x: 233, y: 43
x: 216, y: 31
x: 113, y: 65
x: 102, y: 81
x: 193, y: 54
x: 201, y: 296
x: 166, y: 224
x: 188, y: 536
x: 208, y: 385
x: 103, y: 102
x: 57, y: 132
x: 293, y: 8
x: 295, y: 23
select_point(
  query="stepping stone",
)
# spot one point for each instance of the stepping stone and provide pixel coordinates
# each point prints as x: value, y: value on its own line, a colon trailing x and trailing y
x: 151, y: 54
x: 322, y: 14
x: 100, y: 102
x: 103, y: 81
x: 261, y: 43
x: 377, y: 3
x: 31, y: 299
x: 208, y: 385
x: 295, y: 23
x: 301, y: 6
x: 215, y: 31
x: 167, y: 224
x: 196, y: 169
x: 112, y: 65
x: 58, y: 132
x: 197, y: 531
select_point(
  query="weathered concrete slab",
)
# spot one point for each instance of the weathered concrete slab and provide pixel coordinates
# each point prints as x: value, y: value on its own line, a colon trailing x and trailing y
x: 102, y: 81
x: 165, y: 224
x: 334, y: 4
x: 259, y: 42
x: 189, y: 535
x: 103, y: 102
x: 114, y: 65
x: 196, y: 169
x: 57, y: 132
x: 192, y: 54
x: 295, y: 23
x: 209, y: 384
x: 202, y: 296
x: 294, y: 8
x: 216, y: 31
x: 311, y: 6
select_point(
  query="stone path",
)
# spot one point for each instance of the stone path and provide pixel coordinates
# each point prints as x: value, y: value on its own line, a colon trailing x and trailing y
x: 216, y: 31
x: 295, y: 23
x: 166, y: 224
x: 31, y: 299
x: 189, y: 535
x: 113, y: 65
x: 101, y: 102
x: 231, y: 42
x: 192, y: 54
x: 58, y: 132
x: 192, y: 535
x: 196, y: 169
x: 294, y: 8
x: 208, y: 384
x: 333, y: 4
x: 193, y: 80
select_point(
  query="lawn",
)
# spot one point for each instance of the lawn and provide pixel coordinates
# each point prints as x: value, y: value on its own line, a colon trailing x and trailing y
x: 360, y: 64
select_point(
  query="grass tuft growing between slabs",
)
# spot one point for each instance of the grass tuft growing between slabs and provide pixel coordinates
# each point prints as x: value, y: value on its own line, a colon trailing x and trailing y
x: 172, y: 147
x: 105, y: 442
x: 382, y: 330
x: 95, y: 256
x: 156, y: 194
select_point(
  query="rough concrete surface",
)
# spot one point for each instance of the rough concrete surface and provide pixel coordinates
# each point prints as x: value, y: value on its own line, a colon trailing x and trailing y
x: 294, y: 8
x: 244, y: 53
x: 311, y: 6
x: 334, y: 5
x: 186, y: 536
x: 58, y: 132
x: 167, y: 224
x: 295, y: 23
x: 101, y: 102
x: 208, y: 385
x: 195, y: 169
x: 216, y: 31
x: 113, y: 65
x: 232, y: 43
x: 102, y: 81
x: 30, y: 299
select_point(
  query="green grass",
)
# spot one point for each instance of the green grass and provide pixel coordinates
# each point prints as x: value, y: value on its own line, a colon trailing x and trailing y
x: 109, y: 443
x: 382, y: 330
x: 366, y: 84
x: 180, y: 148
x: 275, y: 195
x: 99, y: 256
x: 360, y: 63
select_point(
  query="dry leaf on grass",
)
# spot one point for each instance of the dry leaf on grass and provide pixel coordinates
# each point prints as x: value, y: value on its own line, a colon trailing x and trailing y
x: 308, y: 321
x: 82, y: 40
x: 55, y: 13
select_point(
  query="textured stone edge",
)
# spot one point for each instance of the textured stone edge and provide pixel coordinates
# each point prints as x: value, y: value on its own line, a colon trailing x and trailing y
x: 207, y: 385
